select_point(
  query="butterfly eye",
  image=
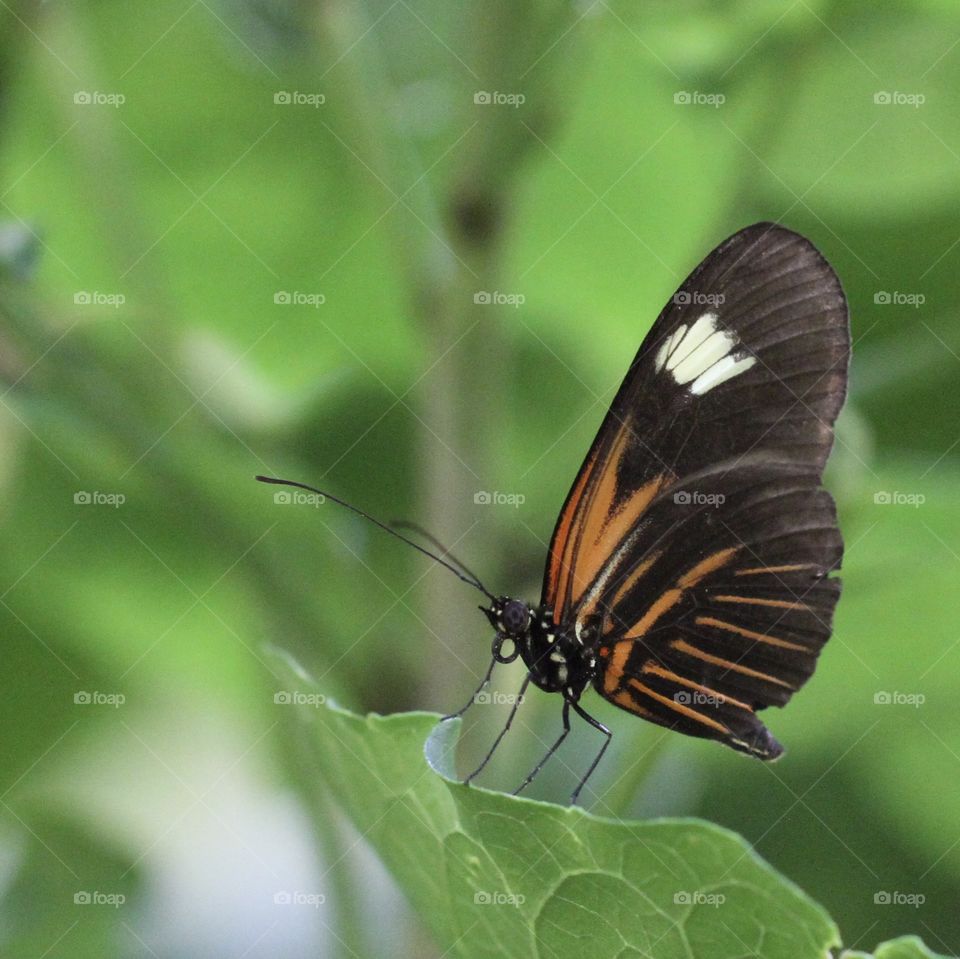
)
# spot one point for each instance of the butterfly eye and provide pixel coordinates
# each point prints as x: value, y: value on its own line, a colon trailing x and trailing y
x: 515, y: 617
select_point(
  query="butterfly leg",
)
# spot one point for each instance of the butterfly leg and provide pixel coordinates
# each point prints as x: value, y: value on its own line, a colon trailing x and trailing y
x: 473, y: 697
x: 550, y: 752
x: 606, y: 732
x: 503, y: 732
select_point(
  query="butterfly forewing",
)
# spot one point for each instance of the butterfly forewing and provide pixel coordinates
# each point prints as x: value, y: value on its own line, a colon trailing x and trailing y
x: 696, y: 540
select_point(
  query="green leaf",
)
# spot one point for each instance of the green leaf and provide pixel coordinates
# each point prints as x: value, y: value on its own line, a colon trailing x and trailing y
x: 496, y: 875
x: 906, y: 947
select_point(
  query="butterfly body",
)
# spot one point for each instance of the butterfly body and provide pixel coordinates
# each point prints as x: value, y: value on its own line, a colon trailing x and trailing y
x: 560, y: 658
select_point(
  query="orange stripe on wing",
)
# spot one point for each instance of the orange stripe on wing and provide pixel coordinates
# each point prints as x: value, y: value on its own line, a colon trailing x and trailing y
x: 750, y: 634
x: 671, y: 597
x: 617, y: 525
x: 615, y: 664
x: 596, y: 512
x: 757, y: 601
x: 607, y: 528
x: 603, y: 561
x: 682, y: 646
x: 634, y: 578
x: 667, y: 601
x: 757, y: 570
x: 655, y: 670
x: 561, y: 558
x: 707, y: 566
x: 624, y: 699
x: 678, y: 707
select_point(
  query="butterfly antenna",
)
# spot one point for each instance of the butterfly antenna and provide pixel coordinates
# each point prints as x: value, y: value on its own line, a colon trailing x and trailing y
x: 430, y: 538
x: 471, y: 579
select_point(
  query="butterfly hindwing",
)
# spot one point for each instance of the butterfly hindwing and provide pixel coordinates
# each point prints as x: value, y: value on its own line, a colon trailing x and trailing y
x: 696, y: 540
x: 728, y: 609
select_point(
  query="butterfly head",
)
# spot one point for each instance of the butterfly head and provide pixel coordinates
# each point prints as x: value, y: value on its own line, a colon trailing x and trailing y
x: 511, y: 618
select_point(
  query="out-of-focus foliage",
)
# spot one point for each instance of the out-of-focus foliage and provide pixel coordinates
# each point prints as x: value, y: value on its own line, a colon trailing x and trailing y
x: 243, y: 236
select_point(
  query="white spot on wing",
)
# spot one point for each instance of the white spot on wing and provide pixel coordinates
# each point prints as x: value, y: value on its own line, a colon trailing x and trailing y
x: 700, y: 331
x: 710, y: 351
x: 668, y: 345
x: 720, y: 372
x: 702, y: 355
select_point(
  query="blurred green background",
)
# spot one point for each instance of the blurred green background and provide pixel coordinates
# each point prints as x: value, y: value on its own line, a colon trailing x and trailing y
x: 242, y: 236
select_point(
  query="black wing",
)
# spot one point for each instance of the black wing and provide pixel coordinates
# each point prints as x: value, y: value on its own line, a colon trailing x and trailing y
x: 696, y: 541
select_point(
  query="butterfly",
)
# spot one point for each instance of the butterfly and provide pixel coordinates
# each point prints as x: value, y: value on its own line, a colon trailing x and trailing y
x: 688, y: 577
